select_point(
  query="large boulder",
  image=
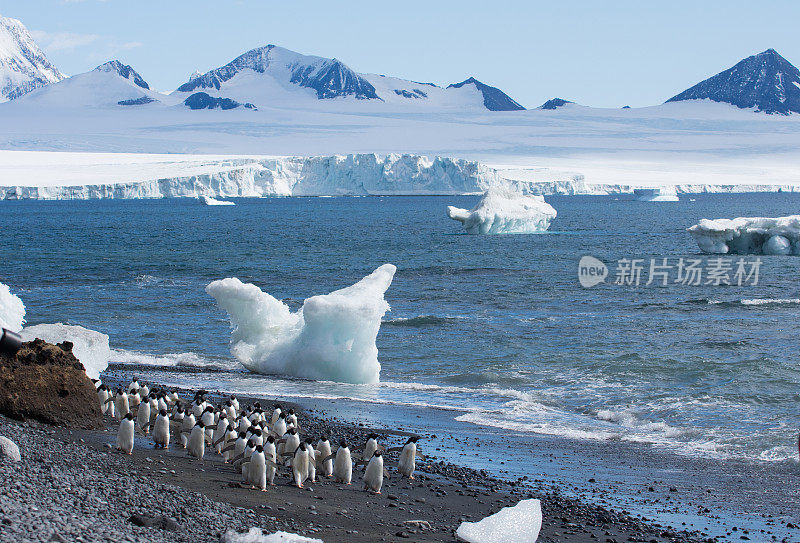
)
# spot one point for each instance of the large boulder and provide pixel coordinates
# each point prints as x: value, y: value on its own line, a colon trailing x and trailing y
x: 46, y: 382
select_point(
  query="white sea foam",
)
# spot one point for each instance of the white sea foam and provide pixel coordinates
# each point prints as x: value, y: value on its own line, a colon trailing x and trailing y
x: 12, y: 310
x: 209, y: 201
x: 332, y: 337
x: 769, y: 301
x: 90, y: 347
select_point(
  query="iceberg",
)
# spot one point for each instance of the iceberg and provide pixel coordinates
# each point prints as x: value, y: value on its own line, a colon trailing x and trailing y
x: 503, y: 211
x: 255, y: 535
x: 749, y: 235
x: 12, y: 310
x: 209, y: 201
x: 661, y: 194
x: 88, y: 346
x: 331, y: 338
x: 518, y: 524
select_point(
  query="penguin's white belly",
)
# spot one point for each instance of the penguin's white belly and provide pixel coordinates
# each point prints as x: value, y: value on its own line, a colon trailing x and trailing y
x: 161, y: 431
x: 125, y: 436
x: 197, y: 442
x: 373, y: 476
x: 407, y: 461
x: 258, y: 471
x: 343, y: 468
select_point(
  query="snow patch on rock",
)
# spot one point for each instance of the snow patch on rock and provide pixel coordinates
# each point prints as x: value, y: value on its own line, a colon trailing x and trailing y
x: 88, y: 346
x: 518, y: 524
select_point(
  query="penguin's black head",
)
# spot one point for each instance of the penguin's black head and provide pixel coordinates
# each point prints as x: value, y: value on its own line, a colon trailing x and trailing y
x: 309, y: 441
x: 377, y: 453
x: 200, y: 424
x: 270, y: 439
x: 323, y: 438
x: 277, y: 406
x: 129, y: 416
x: 291, y: 431
x: 223, y: 415
x: 233, y: 397
x: 412, y: 439
x: 259, y: 448
x: 343, y: 443
x: 180, y: 408
x: 257, y: 432
x: 372, y: 436
x: 291, y: 411
x: 251, y: 443
x: 152, y: 395
x: 228, y: 403
x: 135, y: 380
x: 209, y: 409
x: 283, y: 415
x: 301, y: 447
x: 257, y: 405
x: 243, y: 435
x: 163, y: 412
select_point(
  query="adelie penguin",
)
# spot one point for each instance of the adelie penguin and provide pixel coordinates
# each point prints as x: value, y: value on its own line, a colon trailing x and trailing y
x: 125, y: 434
x: 143, y: 417
x: 374, y: 474
x: 197, y: 440
x: 343, y: 464
x: 323, y: 452
x: 161, y: 430
x: 187, y: 423
x: 408, y: 457
x: 257, y: 469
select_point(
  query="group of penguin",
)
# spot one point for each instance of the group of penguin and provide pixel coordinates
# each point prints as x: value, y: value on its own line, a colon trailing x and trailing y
x: 254, y: 442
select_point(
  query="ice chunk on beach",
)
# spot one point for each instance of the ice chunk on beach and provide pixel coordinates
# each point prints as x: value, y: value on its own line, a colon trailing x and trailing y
x: 518, y: 524
x: 255, y: 535
x: 659, y: 194
x: 504, y: 211
x: 88, y: 346
x: 209, y: 201
x: 749, y: 235
x: 330, y: 338
x: 12, y: 310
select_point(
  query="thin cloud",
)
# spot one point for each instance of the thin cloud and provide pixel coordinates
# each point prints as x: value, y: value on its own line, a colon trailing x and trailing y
x: 62, y: 41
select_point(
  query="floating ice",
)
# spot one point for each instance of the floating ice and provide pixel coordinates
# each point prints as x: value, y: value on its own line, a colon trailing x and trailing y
x: 209, y: 201
x: 332, y: 337
x: 255, y: 535
x: 749, y: 235
x: 503, y: 211
x: 90, y: 347
x: 518, y: 524
x: 660, y: 194
x: 12, y: 310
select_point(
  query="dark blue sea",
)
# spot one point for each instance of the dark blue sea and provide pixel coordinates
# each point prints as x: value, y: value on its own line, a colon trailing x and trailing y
x: 495, y: 328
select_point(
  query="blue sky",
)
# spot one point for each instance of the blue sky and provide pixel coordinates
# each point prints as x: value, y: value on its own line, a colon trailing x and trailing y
x: 596, y: 53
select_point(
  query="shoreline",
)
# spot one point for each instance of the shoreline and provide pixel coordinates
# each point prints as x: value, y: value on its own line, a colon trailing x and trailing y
x: 712, y: 497
x: 171, y: 485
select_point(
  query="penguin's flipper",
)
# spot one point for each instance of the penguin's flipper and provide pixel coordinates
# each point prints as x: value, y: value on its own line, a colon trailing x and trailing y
x: 386, y: 473
x: 381, y: 448
x: 272, y: 464
x: 278, y: 442
x: 229, y: 448
x: 360, y: 448
x: 329, y: 457
x: 287, y: 454
x: 361, y: 462
x: 394, y: 449
x: 420, y: 455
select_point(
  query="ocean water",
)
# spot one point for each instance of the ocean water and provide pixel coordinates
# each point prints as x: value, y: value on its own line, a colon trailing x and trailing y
x: 496, y: 329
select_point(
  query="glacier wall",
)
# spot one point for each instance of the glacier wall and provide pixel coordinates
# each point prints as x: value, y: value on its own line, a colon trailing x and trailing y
x: 349, y: 175
x: 339, y: 175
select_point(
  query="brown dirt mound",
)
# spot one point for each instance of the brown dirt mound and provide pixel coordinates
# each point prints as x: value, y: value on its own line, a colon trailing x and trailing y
x: 48, y: 383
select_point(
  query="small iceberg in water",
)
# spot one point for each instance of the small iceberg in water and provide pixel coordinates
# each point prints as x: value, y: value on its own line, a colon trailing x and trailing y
x: 209, y: 201
x: 749, y: 235
x: 12, y: 310
x: 330, y: 338
x: 504, y: 211
x: 660, y: 194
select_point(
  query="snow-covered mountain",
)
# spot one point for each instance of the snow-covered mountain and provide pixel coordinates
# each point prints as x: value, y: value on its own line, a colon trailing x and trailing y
x: 110, y: 84
x: 273, y: 75
x: 766, y: 81
x: 555, y: 103
x: 23, y: 66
